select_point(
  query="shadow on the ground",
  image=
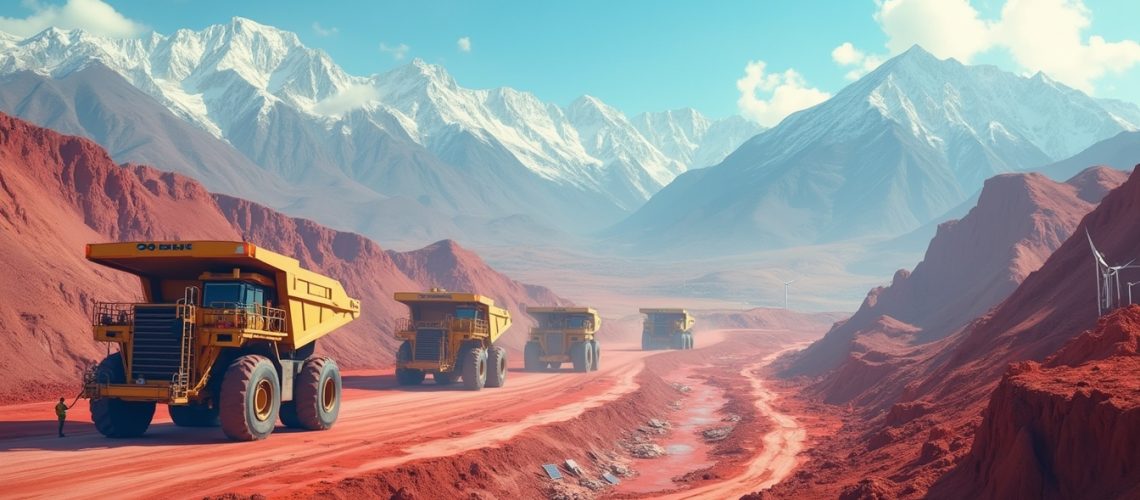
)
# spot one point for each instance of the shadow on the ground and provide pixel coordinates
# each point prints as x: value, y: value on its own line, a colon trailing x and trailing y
x: 80, y: 436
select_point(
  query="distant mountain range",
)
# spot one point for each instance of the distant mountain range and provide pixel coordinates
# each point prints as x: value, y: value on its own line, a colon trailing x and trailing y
x: 892, y: 151
x: 294, y: 131
x: 410, y: 157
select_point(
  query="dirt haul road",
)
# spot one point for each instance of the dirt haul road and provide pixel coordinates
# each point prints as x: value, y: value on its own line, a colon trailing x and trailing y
x: 381, y: 426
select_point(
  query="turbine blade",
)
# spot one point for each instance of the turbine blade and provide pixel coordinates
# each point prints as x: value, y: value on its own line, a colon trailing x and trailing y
x: 1099, y: 256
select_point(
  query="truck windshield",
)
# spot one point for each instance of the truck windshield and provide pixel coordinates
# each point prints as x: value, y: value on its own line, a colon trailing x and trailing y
x: 466, y: 313
x: 231, y: 294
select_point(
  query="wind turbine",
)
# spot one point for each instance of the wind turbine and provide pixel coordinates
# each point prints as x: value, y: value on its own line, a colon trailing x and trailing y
x: 786, y: 283
x: 1108, y: 277
x: 1115, y: 271
x: 1098, y: 261
x: 1130, y: 291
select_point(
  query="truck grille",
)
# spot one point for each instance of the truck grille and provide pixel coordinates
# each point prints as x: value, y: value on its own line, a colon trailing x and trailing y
x: 157, y: 343
x: 554, y: 344
x: 429, y: 345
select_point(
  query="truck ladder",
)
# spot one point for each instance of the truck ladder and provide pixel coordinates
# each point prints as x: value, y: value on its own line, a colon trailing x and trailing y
x: 180, y: 386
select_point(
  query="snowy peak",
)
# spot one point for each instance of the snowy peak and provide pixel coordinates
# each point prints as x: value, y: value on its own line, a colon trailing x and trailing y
x: 238, y: 79
x: 693, y: 139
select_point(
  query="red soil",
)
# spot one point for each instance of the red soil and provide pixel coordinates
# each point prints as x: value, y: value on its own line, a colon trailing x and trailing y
x: 1067, y: 428
x: 58, y: 193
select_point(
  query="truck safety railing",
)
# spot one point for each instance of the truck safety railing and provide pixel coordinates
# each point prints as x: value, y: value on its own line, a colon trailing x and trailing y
x: 180, y: 385
x: 113, y: 314
x: 253, y: 317
x: 565, y: 324
x: 449, y: 323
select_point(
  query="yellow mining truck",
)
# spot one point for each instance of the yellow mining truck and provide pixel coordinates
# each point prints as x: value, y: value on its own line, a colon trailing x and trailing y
x: 666, y: 328
x: 563, y: 334
x: 225, y: 336
x: 451, y: 335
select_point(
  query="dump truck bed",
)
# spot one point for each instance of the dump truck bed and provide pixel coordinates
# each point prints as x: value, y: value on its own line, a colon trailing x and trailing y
x: 316, y: 304
x: 682, y: 315
x: 546, y: 315
x: 498, y: 319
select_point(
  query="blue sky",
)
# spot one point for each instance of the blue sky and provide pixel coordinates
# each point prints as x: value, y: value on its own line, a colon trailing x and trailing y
x: 655, y: 55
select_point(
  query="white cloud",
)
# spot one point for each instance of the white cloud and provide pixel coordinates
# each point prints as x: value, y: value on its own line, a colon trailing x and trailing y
x: 946, y: 28
x: 1040, y: 35
x: 1046, y: 35
x: 398, y: 51
x: 92, y: 16
x: 348, y: 100
x: 464, y: 44
x: 847, y: 55
x: 323, y: 31
x: 786, y: 93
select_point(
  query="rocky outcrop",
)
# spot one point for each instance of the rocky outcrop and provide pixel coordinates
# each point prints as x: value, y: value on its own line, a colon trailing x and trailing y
x: 1065, y: 428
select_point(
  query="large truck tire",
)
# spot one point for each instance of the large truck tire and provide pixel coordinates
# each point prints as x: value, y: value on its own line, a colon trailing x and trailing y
x: 646, y: 342
x: 677, y: 341
x: 531, y: 357
x: 316, y: 394
x: 582, y: 356
x: 689, y: 340
x: 497, y: 367
x: 474, y: 367
x: 114, y: 417
x: 194, y: 415
x: 407, y: 376
x: 250, y: 398
x: 596, y: 363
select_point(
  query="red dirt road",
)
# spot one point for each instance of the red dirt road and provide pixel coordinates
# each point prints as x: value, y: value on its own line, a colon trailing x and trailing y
x: 382, y: 426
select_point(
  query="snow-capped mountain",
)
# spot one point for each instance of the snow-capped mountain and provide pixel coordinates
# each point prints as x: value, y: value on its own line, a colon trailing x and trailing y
x: 690, y: 138
x: 893, y: 150
x: 294, y: 112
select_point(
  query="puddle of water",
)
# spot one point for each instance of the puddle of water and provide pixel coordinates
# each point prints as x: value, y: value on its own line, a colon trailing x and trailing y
x: 685, y: 451
x: 678, y: 449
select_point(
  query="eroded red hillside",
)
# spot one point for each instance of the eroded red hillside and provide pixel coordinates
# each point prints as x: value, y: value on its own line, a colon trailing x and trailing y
x: 971, y: 265
x: 1065, y: 428
x: 58, y: 193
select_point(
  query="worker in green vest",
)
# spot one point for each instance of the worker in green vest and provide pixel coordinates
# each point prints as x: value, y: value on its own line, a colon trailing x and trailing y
x: 61, y: 412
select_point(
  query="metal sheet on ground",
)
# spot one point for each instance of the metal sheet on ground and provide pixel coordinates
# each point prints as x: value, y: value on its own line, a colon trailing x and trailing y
x: 552, y: 471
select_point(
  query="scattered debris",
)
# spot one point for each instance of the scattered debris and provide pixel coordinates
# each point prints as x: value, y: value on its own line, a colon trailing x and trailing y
x: 658, y: 423
x: 573, y: 467
x: 564, y: 491
x: 552, y: 471
x: 716, y: 433
x: 676, y: 405
x: 592, y: 484
x: 610, y: 478
x: 682, y: 388
x: 621, y: 470
x: 646, y: 450
x: 731, y: 418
